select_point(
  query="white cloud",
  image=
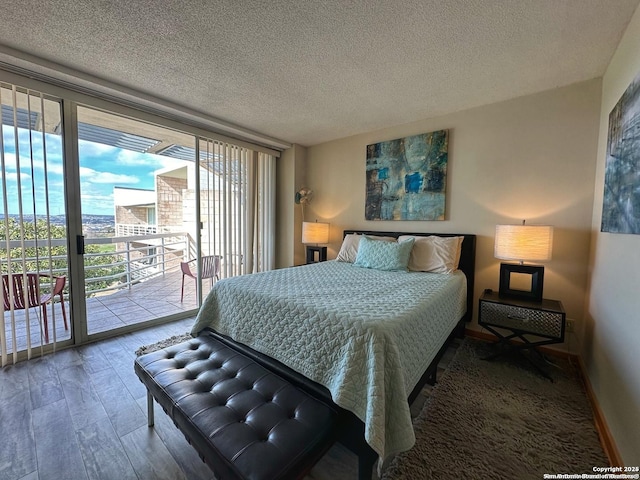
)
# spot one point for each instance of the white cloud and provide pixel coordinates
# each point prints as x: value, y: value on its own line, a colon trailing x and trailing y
x: 131, y: 158
x: 55, y: 168
x: 91, y: 149
x: 135, y: 159
x: 93, y: 176
x: 9, y: 161
x: 54, y: 162
x: 54, y: 165
x: 172, y: 162
x: 13, y: 176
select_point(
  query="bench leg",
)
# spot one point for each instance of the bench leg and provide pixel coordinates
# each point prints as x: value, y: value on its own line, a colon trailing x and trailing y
x: 150, y: 419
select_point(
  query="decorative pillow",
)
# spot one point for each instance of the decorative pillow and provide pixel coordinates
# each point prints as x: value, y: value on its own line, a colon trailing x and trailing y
x: 434, y: 254
x: 383, y: 255
x: 349, y: 249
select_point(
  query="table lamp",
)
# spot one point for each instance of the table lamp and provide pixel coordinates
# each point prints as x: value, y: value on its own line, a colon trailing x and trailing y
x: 523, y: 243
x: 317, y: 233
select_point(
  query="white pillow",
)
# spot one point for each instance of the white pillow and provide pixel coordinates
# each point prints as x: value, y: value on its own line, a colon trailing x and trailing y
x: 349, y: 249
x: 434, y: 254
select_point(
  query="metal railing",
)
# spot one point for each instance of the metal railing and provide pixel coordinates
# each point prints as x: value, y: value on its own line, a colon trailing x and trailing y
x: 141, y: 256
x: 135, y: 258
x: 125, y: 229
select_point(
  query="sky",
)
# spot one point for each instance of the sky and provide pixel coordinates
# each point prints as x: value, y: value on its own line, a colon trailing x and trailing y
x: 101, y: 168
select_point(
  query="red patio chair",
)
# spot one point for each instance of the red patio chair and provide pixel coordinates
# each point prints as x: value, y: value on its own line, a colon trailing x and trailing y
x: 16, y: 292
x: 210, y: 269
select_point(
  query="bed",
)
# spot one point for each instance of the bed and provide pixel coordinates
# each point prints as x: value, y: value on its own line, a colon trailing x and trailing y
x: 364, y: 338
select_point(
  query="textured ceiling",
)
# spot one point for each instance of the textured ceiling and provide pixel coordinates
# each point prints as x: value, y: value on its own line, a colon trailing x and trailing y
x: 311, y: 71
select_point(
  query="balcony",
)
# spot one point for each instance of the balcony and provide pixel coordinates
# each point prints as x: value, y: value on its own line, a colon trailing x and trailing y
x: 145, y: 286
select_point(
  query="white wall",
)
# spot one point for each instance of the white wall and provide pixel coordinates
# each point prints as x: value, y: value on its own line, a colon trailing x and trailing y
x: 611, y: 348
x: 530, y: 158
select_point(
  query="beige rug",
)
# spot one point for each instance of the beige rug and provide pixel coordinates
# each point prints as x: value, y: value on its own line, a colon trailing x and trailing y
x: 167, y: 342
x: 501, y: 420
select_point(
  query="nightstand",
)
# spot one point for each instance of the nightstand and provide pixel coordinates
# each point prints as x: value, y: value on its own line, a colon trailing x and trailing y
x: 316, y: 254
x: 534, y: 323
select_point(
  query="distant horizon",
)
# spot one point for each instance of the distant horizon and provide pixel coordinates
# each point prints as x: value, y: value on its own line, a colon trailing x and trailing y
x: 44, y: 215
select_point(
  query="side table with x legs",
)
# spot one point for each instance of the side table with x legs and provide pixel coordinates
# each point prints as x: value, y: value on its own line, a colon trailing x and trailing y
x: 533, y: 323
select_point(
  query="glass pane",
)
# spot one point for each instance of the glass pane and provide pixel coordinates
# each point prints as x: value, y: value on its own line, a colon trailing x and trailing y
x: 138, y: 224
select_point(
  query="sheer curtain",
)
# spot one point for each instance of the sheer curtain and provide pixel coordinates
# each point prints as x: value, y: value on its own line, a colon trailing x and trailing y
x: 264, y: 218
x: 237, y: 206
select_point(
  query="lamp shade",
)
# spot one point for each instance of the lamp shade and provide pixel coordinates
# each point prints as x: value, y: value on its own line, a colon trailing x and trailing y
x: 523, y: 242
x: 315, y: 232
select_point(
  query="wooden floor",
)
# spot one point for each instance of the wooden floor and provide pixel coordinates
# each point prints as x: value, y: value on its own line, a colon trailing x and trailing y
x: 81, y: 414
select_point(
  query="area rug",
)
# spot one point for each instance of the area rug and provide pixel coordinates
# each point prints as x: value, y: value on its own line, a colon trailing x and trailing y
x: 167, y: 342
x: 501, y: 419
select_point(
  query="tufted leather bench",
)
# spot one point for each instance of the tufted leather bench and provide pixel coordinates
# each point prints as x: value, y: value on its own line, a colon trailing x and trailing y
x: 245, y: 421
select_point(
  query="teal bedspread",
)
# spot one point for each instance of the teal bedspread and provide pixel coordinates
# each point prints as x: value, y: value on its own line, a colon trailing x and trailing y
x: 366, y: 335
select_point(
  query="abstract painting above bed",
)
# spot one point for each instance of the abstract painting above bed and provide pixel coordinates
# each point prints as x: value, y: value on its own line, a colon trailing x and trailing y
x: 406, y: 178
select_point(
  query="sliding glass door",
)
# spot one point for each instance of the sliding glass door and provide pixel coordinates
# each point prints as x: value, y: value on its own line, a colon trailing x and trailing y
x: 137, y: 191
x: 112, y: 220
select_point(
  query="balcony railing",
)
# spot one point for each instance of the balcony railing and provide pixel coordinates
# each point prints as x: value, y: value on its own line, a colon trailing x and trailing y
x: 137, y: 258
x: 141, y: 257
x: 131, y: 260
x: 125, y: 230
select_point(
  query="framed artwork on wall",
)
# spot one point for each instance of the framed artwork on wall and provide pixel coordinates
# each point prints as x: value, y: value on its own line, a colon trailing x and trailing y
x: 621, y: 199
x: 407, y: 177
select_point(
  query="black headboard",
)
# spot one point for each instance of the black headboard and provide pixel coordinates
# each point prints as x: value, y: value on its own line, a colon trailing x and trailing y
x: 467, y: 257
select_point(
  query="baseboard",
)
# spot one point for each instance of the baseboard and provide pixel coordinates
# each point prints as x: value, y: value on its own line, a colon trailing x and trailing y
x: 606, y: 439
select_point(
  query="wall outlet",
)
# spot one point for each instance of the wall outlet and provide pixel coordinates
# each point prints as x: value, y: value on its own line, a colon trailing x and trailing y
x: 571, y: 325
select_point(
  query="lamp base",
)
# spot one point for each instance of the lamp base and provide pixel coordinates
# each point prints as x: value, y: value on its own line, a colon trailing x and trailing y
x: 316, y: 254
x: 521, y: 281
